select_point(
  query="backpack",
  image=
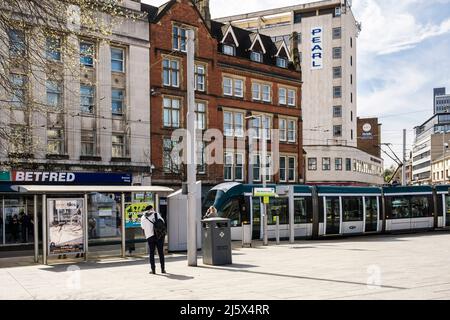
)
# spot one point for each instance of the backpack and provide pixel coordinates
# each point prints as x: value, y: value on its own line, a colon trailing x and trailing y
x: 159, y: 227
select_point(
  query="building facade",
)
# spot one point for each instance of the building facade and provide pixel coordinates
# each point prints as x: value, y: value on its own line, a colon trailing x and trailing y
x: 440, y: 170
x: 94, y: 120
x: 369, y: 136
x: 243, y: 80
x: 325, y: 44
x: 81, y: 117
x: 441, y: 100
x: 430, y: 143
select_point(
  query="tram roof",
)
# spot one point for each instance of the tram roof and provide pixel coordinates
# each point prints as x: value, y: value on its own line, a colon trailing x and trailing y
x: 412, y: 189
x: 87, y: 189
x: 348, y: 190
x: 443, y: 188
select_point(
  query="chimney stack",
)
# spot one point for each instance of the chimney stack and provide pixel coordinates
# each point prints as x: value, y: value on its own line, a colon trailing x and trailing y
x: 203, y: 7
x: 294, y: 51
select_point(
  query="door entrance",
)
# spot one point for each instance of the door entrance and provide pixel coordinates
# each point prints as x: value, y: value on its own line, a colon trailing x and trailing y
x: 256, y: 223
x: 333, y: 215
x: 447, y: 211
x: 371, y: 214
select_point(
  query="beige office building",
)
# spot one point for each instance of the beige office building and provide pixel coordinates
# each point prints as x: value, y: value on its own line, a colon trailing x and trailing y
x: 326, y: 37
x: 97, y: 120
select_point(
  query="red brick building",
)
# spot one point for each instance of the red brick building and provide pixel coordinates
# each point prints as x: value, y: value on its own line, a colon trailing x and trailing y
x: 243, y: 80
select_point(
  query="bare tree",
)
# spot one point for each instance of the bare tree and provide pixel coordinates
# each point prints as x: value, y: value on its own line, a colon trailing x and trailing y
x: 33, y: 35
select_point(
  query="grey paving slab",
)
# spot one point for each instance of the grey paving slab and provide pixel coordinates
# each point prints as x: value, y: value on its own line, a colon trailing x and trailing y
x: 414, y: 266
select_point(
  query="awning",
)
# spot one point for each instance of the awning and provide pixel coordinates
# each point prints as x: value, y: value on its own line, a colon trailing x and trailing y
x: 88, y: 189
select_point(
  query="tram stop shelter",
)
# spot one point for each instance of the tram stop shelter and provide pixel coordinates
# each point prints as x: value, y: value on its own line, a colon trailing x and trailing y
x: 65, y: 215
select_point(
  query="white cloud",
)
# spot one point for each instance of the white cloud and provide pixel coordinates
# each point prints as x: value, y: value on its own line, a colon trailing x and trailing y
x: 390, y: 27
x: 396, y: 73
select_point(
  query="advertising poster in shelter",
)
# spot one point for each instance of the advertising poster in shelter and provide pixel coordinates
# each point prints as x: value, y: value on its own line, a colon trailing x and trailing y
x: 133, y: 214
x: 65, y: 226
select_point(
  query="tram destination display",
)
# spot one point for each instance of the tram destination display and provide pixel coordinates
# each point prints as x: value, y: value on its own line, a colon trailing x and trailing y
x: 65, y: 226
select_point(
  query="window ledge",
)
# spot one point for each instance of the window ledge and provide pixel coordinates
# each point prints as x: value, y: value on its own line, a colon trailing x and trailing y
x: 57, y: 156
x: 116, y: 159
x: 17, y: 155
x: 90, y: 158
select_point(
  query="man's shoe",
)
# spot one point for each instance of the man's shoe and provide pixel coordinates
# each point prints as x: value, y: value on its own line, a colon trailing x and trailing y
x: 163, y: 271
x: 152, y: 272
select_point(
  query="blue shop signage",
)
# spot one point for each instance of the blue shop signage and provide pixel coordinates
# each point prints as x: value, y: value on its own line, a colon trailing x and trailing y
x: 69, y: 178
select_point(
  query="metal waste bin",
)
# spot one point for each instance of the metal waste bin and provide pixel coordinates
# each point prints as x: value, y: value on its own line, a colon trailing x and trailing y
x: 216, y: 237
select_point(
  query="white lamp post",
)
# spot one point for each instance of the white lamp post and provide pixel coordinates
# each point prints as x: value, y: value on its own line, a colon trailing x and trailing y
x: 263, y: 163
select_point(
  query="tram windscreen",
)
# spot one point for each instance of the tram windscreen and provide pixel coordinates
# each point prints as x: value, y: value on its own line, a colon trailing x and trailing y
x: 211, y: 199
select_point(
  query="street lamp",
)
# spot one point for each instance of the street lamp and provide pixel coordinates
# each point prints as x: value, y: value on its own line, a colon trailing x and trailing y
x: 263, y: 163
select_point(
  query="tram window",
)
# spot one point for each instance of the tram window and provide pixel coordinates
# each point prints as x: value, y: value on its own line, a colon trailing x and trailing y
x: 399, y: 208
x: 302, y: 210
x: 420, y: 207
x: 447, y: 210
x: 440, y: 210
x: 371, y: 208
x: 211, y: 199
x: 353, y: 208
x: 232, y: 211
x: 280, y: 206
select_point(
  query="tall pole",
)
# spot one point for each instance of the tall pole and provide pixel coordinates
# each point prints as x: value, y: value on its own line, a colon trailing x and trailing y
x: 443, y: 154
x: 191, y: 154
x: 36, y: 229
x: 264, y: 173
x: 123, y: 225
x: 44, y: 229
x: 404, y: 159
x: 250, y: 151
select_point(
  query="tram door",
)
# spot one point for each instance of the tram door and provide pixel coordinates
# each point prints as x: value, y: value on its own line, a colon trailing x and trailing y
x: 447, y: 211
x: 333, y: 215
x: 256, y: 215
x: 371, y: 214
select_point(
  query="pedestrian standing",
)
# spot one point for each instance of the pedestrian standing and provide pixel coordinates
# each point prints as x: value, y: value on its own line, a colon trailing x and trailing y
x: 154, y: 236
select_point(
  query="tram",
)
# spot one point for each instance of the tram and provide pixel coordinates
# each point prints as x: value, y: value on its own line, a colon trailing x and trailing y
x: 321, y: 211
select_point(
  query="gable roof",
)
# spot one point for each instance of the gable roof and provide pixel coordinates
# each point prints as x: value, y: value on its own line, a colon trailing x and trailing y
x: 280, y: 45
x: 229, y: 29
x: 257, y: 37
x: 244, y: 40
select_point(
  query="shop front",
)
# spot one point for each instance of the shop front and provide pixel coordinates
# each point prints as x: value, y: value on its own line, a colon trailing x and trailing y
x: 78, y: 214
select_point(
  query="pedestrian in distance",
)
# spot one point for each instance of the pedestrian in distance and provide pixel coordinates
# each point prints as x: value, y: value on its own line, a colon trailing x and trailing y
x: 155, y: 231
x: 211, y: 213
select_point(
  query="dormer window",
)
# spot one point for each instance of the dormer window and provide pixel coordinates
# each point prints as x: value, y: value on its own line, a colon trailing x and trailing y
x: 281, y: 62
x: 256, y: 56
x: 282, y: 56
x: 228, y: 50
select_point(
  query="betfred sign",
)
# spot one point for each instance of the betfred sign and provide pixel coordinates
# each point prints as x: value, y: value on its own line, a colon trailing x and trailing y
x: 29, y: 176
x: 72, y: 178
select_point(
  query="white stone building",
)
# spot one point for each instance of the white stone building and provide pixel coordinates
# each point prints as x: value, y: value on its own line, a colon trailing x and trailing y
x: 95, y: 121
x: 327, y: 34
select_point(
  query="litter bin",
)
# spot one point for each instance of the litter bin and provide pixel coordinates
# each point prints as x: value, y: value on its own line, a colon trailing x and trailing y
x: 216, y: 237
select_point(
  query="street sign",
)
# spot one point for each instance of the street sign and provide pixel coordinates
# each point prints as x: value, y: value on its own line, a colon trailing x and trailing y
x: 264, y: 192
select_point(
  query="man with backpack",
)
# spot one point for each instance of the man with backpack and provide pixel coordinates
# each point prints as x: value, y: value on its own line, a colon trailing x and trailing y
x: 155, y: 232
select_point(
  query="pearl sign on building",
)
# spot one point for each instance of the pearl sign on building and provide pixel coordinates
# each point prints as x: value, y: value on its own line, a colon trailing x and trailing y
x: 316, y: 48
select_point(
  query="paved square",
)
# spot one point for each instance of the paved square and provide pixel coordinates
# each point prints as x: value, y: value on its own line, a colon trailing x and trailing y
x: 412, y: 266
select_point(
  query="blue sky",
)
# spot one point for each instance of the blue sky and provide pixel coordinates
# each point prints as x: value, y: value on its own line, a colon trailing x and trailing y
x: 403, y: 53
